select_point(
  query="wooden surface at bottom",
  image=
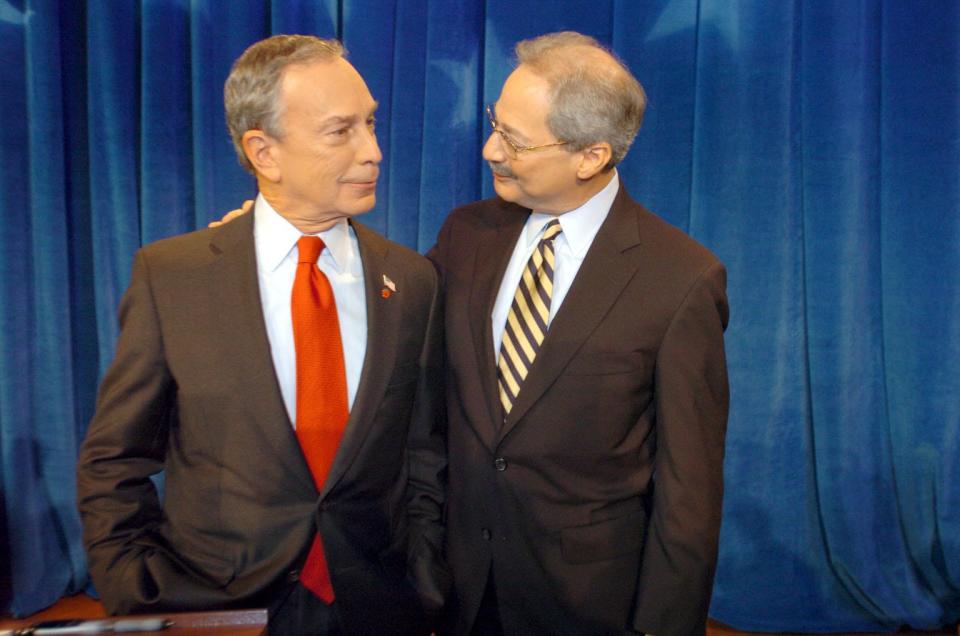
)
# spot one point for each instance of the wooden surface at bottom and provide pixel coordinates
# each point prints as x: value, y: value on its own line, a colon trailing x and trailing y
x: 719, y: 629
x: 236, y: 623
x: 82, y: 606
x: 78, y: 606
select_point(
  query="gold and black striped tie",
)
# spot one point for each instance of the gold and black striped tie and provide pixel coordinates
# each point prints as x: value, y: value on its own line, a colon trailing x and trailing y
x: 527, y: 321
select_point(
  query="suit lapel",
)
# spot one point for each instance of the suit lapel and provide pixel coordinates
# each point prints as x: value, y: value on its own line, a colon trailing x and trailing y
x: 494, y: 246
x: 609, y: 265
x: 235, y: 291
x: 383, y: 323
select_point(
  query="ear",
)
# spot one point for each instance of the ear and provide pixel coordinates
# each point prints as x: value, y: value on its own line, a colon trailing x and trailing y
x: 593, y: 159
x: 261, y: 151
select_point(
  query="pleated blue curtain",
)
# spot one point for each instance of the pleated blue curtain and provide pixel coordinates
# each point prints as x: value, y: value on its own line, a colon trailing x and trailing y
x: 815, y: 146
x: 826, y: 173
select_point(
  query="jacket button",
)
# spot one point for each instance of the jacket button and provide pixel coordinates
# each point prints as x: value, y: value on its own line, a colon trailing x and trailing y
x: 485, y: 533
x: 293, y: 576
x: 500, y: 464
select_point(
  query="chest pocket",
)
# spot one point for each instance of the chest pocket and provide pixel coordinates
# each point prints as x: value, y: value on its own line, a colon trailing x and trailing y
x: 607, y: 363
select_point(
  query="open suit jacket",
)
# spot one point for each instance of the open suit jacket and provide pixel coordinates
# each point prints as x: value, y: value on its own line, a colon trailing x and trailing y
x: 596, y: 504
x: 192, y: 390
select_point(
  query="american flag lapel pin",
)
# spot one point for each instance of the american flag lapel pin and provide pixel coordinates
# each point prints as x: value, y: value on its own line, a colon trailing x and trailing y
x: 389, y: 287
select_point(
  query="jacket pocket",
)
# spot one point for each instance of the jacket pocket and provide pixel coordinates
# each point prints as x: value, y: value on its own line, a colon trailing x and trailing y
x: 606, y: 363
x: 603, y: 540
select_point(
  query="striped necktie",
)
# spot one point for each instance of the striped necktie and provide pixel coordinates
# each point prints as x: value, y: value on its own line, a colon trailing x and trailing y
x: 528, y: 318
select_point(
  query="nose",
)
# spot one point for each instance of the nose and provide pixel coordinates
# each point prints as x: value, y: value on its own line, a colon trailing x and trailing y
x: 369, y: 151
x: 493, y: 149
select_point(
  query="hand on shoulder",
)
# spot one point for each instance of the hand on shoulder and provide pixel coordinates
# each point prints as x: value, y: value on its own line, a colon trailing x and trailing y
x: 232, y: 214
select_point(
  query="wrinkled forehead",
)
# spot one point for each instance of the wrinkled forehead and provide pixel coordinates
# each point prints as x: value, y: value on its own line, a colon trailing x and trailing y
x: 320, y: 75
x: 325, y: 86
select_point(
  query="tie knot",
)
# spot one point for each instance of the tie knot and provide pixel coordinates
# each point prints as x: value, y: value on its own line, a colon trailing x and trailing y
x: 551, y: 230
x: 309, y: 248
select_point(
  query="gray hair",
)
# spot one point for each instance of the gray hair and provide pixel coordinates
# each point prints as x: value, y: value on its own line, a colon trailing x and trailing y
x: 251, y: 94
x: 593, y: 95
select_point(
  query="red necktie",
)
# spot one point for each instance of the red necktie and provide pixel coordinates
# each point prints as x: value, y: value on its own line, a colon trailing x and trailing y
x: 322, y: 409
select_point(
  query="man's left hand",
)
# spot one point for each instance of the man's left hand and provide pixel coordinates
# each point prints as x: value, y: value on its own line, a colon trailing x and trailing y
x: 232, y: 214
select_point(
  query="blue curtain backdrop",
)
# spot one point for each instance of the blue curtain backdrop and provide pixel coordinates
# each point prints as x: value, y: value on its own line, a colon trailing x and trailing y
x: 815, y: 146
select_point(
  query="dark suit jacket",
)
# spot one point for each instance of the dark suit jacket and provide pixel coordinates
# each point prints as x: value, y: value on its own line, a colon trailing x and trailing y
x: 192, y: 391
x: 597, y: 501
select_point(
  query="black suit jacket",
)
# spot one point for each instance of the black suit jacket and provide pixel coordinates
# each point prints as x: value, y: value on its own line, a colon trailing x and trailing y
x: 597, y: 502
x: 192, y: 391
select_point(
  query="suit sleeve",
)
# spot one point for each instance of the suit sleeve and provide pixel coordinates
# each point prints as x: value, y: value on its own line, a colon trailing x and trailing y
x: 427, y: 464
x: 125, y: 445
x: 692, y: 401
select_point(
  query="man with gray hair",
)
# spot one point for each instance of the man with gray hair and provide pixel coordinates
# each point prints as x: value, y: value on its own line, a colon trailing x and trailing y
x: 586, y: 384
x: 280, y: 370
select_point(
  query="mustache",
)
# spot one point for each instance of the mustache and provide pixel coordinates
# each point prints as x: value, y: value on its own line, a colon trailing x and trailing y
x: 501, y: 169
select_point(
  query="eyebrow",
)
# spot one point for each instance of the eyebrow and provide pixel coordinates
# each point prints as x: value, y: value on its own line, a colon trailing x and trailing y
x: 349, y: 119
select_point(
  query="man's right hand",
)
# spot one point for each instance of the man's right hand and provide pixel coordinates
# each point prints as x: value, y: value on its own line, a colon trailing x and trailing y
x: 232, y: 214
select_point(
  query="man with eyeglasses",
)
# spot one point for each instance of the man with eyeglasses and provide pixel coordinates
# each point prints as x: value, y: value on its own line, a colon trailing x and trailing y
x: 586, y: 384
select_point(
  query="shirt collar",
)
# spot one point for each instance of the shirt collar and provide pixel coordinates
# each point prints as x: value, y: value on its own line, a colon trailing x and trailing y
x: 276, y: 237
x: 579, y: 225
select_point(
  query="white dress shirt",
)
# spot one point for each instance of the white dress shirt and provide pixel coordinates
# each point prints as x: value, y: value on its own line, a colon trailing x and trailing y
x: 276, y: 245
x: 580, y: 226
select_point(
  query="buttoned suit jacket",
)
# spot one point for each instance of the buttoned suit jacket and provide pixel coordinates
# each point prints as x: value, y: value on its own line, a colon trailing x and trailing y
x: 192, y: 390
x: 596, y: 503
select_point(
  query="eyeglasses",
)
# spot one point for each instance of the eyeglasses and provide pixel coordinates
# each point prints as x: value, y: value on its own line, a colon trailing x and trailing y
x: 512, y: 147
